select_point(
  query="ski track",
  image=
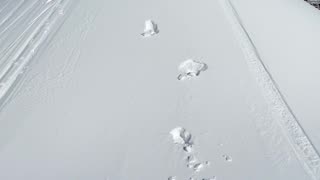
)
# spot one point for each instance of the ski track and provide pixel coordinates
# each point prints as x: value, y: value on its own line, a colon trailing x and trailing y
x: 11, y: 13
x: 14, y: 20
x: 31, y: 22
x: 280, y: 110
x: 4, y: 5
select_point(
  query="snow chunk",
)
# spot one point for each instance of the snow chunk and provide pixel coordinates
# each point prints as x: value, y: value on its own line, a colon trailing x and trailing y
x: 191, y: 159
x: 188, y: 148
x: 191, y: 68
x: 227, y: 158
x: 198, y: 167
x: 172, y: 178
x: 212, y: 178
x: 150, y: 28
x: 180, y: 136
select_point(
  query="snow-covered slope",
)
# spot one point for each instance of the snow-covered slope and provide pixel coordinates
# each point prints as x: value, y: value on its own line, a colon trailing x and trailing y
x: 100, y: 101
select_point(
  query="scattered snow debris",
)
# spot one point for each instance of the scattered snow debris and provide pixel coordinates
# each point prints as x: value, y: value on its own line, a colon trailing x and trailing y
x: 150, y: 28
x: 191, y: 68
x: 183, y: 138
x: 172, y: 178
x: 227, y: 158
x: 191, y: 159
x: 198, y: 167
x: 188, y: 148
x: 49, y: 1
x: 180, y: 136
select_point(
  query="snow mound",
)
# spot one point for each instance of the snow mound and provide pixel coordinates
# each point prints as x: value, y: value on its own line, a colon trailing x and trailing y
x: 227, y: 158
x: 150, y: 28
x: 181, y: 136
x: 191, y: 68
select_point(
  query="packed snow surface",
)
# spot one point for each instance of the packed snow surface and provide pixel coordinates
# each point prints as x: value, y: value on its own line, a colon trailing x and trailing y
x: 88, y: 90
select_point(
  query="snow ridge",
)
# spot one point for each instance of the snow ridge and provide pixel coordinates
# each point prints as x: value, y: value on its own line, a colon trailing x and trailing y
x: 301, y: 144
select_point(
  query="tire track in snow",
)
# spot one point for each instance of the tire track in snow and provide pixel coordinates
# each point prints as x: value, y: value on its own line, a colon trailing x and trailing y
x: 299, y: 141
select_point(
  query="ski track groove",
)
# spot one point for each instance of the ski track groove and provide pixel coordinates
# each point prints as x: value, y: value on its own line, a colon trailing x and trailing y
x: 18, y: 48
x: 40, y: 26
x: 298, y: 139
x: 8, y: 16
x: 21, y: 15
x: 28, y: 22
x: 22, y: 27
x: 5, y: 5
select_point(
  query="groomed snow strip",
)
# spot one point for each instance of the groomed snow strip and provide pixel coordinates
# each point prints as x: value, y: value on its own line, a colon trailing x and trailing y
x: 299, y: 141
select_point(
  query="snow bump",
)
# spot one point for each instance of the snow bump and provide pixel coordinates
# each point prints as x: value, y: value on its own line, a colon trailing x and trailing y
x: 150, y: 28
x: 181, y: 136
x: 191, y: 68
